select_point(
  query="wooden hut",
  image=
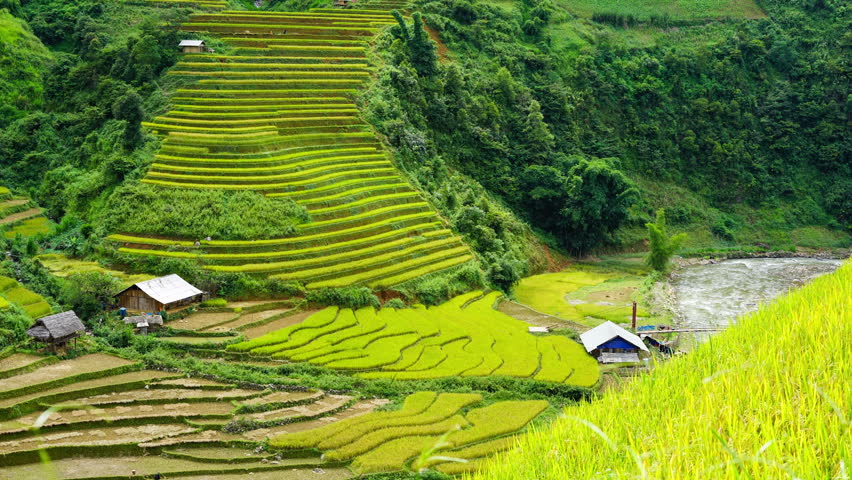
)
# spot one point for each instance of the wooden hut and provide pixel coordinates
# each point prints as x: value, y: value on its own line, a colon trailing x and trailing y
x: 160, y: 294
x: 192, y: 46
x: 610, y: 343
x: 57, y: 330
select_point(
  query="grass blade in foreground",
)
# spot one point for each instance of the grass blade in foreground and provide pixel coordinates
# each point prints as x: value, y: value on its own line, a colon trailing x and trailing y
x: 774, y: 388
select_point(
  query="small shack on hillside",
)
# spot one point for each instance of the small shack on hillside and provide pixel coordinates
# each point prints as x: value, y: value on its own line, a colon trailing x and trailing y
x: 192, y: 46
x: 57, y: 330
x: 610, y: 343
x: 159, y: 294
x: 143, y: 323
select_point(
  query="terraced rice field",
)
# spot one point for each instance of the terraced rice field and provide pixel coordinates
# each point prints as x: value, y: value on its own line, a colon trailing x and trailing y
x: 19, y: 216
x: 463, y: 337
x: 252, y: 320
x: 382, y: 441
x: 586, y: 296
x: 200, y: 4
x: 62, y: 266
x: 276, y: 115
x: 12, y: 292
x: 109, y: 417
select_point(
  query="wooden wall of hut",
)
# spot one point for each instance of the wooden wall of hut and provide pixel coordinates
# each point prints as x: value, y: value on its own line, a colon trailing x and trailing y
x: 135, y: 300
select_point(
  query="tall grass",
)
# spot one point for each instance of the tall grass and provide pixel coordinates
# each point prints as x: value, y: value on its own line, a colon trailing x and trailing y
x: 768, y: 398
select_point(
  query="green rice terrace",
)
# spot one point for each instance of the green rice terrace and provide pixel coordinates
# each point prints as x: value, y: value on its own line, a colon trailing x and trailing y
x: 432, y: 240
x: 464, y: 337
x: 102, y: 416
x: 13, y: 293
x: 20, y: 216
x: 275, y: 115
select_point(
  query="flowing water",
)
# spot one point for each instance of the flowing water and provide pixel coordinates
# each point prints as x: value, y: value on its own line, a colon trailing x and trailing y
x: 714, y: 295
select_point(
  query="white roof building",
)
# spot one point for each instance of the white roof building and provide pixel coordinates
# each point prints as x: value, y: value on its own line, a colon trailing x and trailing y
x: 607, y: 331
x: 191, y: 43
x: 163, y: 293
x: 168, y: 289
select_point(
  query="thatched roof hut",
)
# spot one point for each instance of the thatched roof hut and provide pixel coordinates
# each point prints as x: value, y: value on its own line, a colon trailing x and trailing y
x: 57, y: 329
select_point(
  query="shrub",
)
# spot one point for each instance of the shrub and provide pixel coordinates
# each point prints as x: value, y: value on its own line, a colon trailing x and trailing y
x: 14, y: 323
x: 662, y: 245
x: 348, y: 297
x: 197, y: 214
x: 89, y: 293
x: 394, y: 303
x: 214, y: 302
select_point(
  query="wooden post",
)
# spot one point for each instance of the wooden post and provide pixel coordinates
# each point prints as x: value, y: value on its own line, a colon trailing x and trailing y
x: 634, y: 317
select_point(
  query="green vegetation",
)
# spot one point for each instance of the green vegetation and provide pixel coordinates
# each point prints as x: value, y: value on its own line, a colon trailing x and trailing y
x: 588, y: 295
x: 585, y: 128
x: 62, y: 266
x: 24, y: 59
x: 661, y: 244
x: 311, y: 155
x: 661, y: 13
x: 33, y: 304
x: 383, y: 441
x: 464, y: 337
x: 193, y: 214
x: 776, y: 368
x: 336, y: 239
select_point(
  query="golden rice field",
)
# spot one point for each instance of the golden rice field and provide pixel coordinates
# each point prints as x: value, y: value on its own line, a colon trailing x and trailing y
x: 19, y: 216
x: 588, y: 296
x: 770, y: 398
x: 103, y: 417
x: 463, y: 337
x: 275, y: 114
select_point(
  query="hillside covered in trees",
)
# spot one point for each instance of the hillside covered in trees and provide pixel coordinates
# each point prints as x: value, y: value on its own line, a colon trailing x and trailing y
x: 396, y: 240
x: 563, y: 123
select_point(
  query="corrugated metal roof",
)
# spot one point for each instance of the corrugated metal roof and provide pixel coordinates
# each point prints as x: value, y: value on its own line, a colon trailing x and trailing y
x: 147, y: 319
x: 535, y: 329
x: 606, y: 332
x: 168, y: 289
x: 191, y: 43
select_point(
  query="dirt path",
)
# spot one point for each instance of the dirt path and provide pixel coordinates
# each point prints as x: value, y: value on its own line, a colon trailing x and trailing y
x: 539, y: 319
x: 33, y: 212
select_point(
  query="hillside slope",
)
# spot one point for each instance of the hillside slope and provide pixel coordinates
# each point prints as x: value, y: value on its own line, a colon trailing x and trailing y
x: 275, y: 116
x: 768, y: 398
x: 23, y: 59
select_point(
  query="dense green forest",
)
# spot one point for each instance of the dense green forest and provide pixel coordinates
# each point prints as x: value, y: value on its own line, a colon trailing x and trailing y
x: 584, y: 126
x: 572, y: 119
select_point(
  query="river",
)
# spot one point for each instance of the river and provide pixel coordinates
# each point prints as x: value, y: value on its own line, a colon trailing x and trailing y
x: 713, y: 295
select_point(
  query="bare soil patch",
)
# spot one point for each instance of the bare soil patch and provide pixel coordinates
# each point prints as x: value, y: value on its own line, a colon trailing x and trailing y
x: 247, y: 319
x: 198, y: 321
x: 193, y: 382
x: 178, y: 410
x: 158, y: 394
x: 285, y: 322
x: 117, y: 380
x: 97, y: 436
x: 20, y: 216
x: 82, y: 467
x: 283, y: 397
x: 86, y: 364
x: 323, y: 405
x: 18, y: 360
